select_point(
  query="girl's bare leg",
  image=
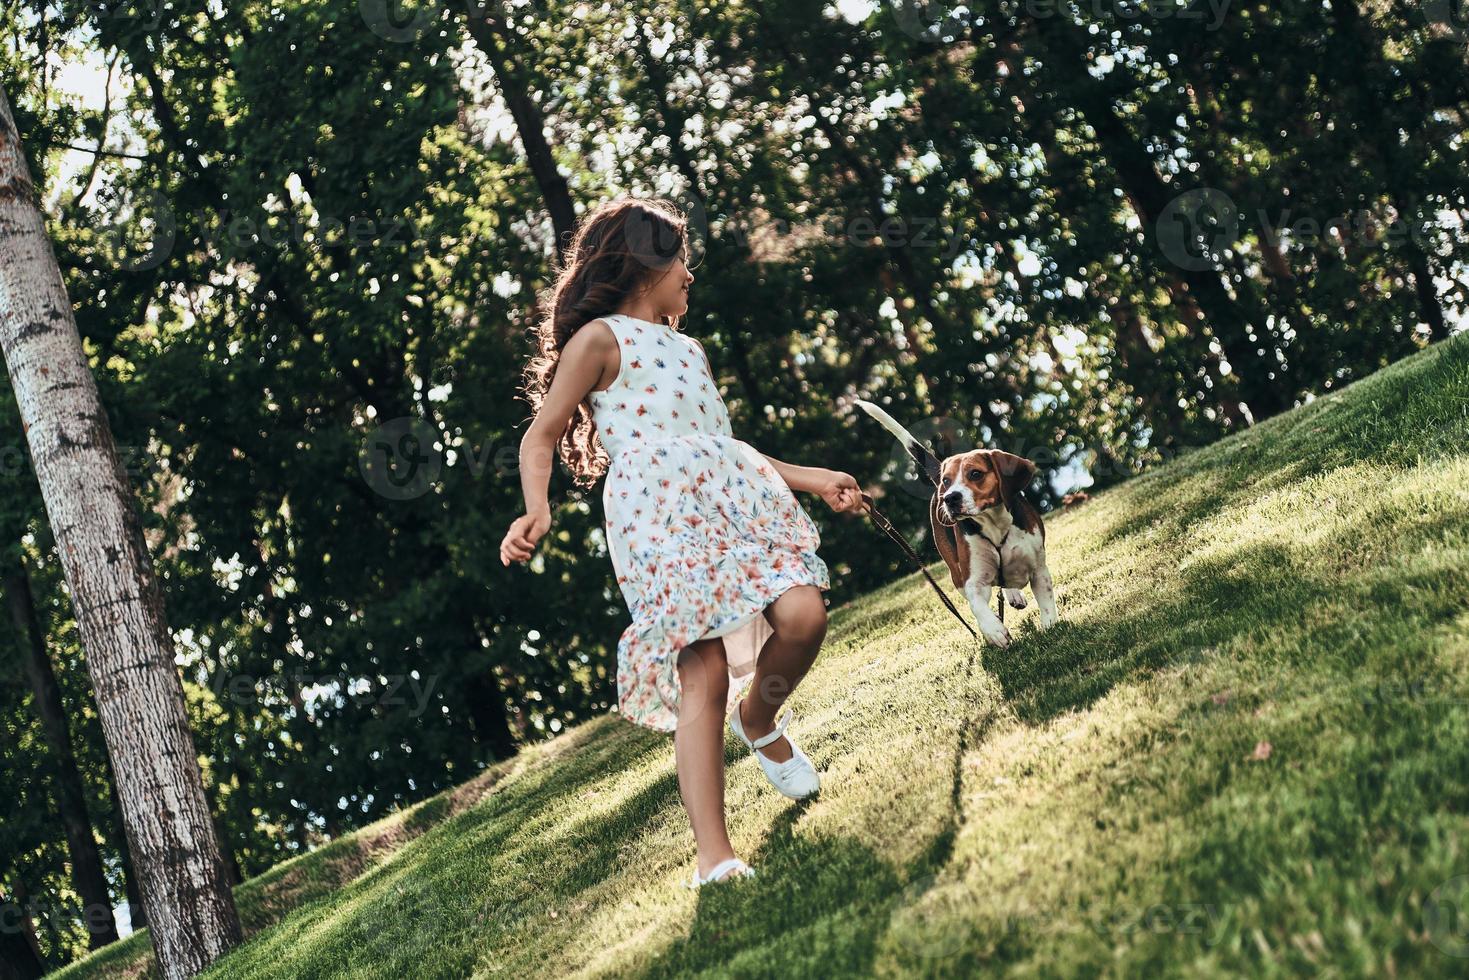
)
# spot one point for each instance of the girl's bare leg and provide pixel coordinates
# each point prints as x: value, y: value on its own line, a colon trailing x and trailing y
x: 698, y: 747
x: 799, y: 620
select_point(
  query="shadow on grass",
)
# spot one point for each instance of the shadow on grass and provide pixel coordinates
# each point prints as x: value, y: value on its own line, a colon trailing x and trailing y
x: 1249, y: 593
x: 409, y: 915
x: 822, y: 905
x: 807, y: 911
x: 827, y: 904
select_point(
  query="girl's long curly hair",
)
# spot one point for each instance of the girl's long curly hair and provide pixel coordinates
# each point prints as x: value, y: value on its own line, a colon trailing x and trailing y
x: 620, y: 248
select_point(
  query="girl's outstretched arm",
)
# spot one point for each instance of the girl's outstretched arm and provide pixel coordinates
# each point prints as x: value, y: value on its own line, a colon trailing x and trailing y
x: 589, y: 355
x: 841, y: 491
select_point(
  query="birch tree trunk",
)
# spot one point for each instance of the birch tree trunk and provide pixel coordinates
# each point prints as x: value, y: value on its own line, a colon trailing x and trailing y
x: 116, y: 598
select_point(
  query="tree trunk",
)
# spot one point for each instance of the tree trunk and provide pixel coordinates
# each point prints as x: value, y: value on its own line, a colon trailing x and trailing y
x: 115, y: 596
x: 20, y: 954
x: 81, y: 843
x: 486, y: 701
x: 1364, y: 56
x: 491, y: 35
x: 1149, y: 196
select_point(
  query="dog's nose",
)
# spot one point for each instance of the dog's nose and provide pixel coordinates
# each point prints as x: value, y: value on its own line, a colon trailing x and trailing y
x: 953, y: 499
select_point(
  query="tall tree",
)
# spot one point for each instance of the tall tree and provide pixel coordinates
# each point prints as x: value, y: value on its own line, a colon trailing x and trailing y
x: 1202, y: 292
x: 1376, y: 91
x: 20, y: 954
x: 117, y: 600
x: 81, y: 842
x: 490, y: 27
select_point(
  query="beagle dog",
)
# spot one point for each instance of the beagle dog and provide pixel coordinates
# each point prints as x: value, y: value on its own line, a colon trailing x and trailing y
x: 988, y: 533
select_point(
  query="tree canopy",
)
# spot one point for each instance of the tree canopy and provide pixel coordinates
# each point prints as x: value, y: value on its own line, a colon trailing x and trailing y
x: 305, y: 242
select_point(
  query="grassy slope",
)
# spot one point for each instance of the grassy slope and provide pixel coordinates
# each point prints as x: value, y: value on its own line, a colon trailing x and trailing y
x: 1088, y: 800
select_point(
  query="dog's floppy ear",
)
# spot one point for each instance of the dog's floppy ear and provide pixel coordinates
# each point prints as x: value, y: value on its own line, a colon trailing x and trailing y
x: 1016, y: 472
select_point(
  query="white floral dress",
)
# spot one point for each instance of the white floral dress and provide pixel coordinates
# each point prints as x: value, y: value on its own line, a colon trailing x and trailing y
x: 703, y: 533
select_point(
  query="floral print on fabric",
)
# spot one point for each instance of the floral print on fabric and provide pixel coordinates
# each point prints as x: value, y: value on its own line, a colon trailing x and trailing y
x: 703, y: 532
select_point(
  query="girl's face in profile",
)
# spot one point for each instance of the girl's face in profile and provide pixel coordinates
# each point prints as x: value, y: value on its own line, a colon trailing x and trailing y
x: 669, y: 290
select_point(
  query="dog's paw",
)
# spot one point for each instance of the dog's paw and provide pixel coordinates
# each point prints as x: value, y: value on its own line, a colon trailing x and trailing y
x: 999, y: 637
x: 1016, y: 598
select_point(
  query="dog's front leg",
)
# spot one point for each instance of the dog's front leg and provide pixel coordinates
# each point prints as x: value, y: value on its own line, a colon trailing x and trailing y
x: 1045, y: 596
x: 993, y: 629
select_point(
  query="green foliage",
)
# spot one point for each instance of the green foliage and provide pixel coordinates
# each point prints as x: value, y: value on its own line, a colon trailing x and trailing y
x: 315, y: 233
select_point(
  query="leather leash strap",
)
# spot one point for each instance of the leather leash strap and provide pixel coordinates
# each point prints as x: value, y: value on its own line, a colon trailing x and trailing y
x: 886, y: 526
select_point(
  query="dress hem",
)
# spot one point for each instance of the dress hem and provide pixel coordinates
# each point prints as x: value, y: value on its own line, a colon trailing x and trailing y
x: 813, y: 572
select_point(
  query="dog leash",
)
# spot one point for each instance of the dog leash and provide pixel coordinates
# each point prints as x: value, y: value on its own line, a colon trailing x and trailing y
x: 886, y: 526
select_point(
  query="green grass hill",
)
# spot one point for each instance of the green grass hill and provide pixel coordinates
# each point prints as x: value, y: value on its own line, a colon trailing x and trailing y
x: 1245, y: 749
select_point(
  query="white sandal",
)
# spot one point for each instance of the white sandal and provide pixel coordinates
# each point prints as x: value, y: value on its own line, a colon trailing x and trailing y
x: 796, y: 777
x: 723, y: 871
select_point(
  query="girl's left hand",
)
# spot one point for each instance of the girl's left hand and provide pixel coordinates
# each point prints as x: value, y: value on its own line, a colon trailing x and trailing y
x: 841, y: 491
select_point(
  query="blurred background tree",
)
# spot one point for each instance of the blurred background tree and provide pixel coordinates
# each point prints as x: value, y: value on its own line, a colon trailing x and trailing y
x: 306, y: 241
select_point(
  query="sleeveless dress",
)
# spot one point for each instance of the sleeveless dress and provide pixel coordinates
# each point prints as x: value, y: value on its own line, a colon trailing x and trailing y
x: 703, y: 532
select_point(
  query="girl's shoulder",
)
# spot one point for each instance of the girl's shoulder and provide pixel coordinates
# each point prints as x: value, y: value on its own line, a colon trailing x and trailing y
x: 596, y: 340
x: 599, y: 332
x: 624, y: 328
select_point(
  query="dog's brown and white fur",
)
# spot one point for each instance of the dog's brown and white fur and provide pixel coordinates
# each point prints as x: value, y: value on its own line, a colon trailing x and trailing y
x: 982, y: 523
